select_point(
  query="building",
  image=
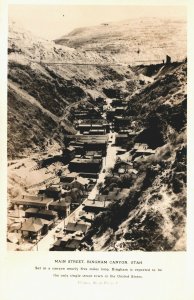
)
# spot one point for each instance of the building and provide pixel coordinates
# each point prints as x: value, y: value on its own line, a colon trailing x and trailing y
x: 168, y: 59
x: 87, y: 113
x: 32, y: 229
x: 90, y: 143
x: 28, y: 201
x: 142, y: 152
x: 142, y: 146
x: 121, y: 122
x: 140, y: 149
x: 87, y: 217
x: 91, y: 176
x: 74, y: 227
x: 118, y: 103
x: 49, y: 160
x: 93, y: 154
x: 121, y: 139
x: 62, y: 207
x: 53, y: 191
x: 69, y: 178
x: 95, y: 206
x: 42, y: 214
x: 72, y: 245
x: 78, y: 183
x: 123, y: 167
x: 85, y: 165
x: 93, y: 125
x: 66, y: 244
x: 68, y: 154
x: 96, y: 131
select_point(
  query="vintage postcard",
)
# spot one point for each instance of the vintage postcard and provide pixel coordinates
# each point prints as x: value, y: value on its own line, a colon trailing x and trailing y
x: 95, y: 194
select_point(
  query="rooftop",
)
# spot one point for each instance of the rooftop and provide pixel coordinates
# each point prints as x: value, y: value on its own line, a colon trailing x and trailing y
x: 98, y: 204
x: 72, y: 244
x: 76, y: 227
x: 58, y: 204
x: 33, y: 200
x: 90, y: 138
x: 85, y: 160
x: 31, y: 225
x: 141, y: 146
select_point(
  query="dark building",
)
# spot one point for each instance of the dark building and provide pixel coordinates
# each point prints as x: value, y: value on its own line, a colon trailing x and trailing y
x: 43, y: 214
x: 168, y: 59
x: 74, y: 227
x: 62, y: 208
x: 68, y: 154
x: 121, y: 139
x: 64, y: 244
x: 85, y: 165
x: 121, y: 122
x: 53, y: 191
x: 87, y: 113
x: 69, y: 178
x: 118, y: 103
x: 90, y: 143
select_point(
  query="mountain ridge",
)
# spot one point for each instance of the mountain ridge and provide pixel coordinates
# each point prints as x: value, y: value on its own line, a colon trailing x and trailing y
x: 134, y: 38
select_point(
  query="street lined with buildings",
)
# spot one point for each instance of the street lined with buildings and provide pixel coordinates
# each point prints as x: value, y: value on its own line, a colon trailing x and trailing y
x: 62, y: 208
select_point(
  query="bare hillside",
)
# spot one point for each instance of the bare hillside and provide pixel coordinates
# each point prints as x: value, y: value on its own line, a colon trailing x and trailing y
x: 132, y: 41
x: 45, y: 80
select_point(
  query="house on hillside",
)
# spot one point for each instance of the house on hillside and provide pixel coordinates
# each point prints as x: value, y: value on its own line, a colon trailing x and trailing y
x: 68, y: 178
x: 140, y: 149
x: 122, y: 167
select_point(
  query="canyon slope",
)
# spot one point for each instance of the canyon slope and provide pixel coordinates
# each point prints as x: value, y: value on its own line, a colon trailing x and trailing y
x: 156, y: 204
x: 45, y: 80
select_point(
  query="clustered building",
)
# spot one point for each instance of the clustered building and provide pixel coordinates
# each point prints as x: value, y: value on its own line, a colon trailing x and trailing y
x: 33, y: 216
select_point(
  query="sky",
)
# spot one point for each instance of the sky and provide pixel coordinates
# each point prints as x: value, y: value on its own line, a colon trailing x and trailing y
x: 53, y: 21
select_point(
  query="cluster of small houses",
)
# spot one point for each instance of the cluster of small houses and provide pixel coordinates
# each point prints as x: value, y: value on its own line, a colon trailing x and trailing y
x: 32, y: 216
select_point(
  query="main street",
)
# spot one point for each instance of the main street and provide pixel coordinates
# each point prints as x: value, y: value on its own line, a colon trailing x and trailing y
x: 108, y: 162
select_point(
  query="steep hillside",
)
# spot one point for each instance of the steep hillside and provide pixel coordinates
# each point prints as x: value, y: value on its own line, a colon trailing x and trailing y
x: 45, y: 80
x: 133, y: 40
x: 156, y: 205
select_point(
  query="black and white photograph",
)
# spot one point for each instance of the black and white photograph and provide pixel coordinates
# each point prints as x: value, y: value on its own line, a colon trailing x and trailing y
x: 97, y: 128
